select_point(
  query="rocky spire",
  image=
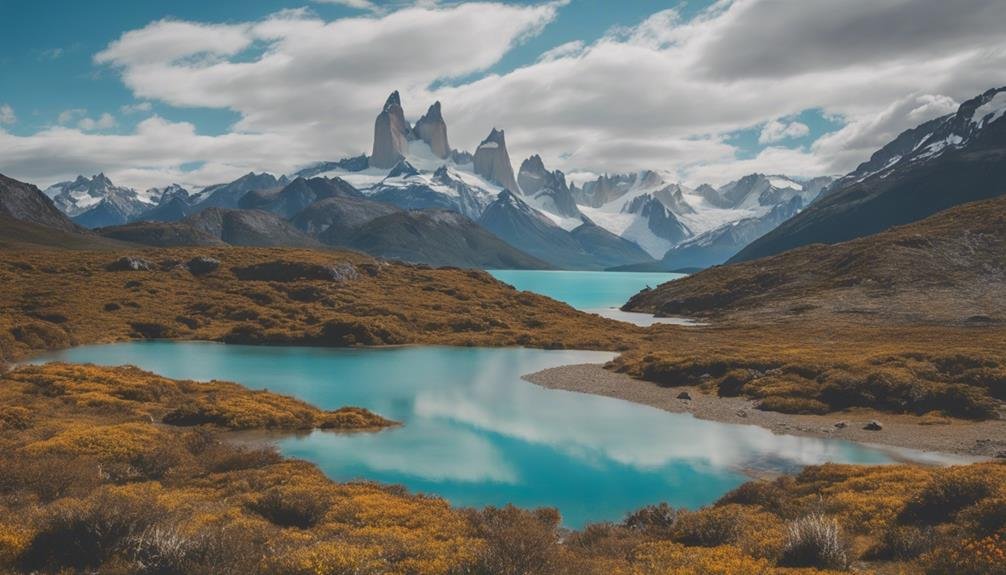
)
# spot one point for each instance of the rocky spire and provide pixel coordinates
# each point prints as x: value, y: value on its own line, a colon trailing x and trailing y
x: 391, y: 134
x: 432, y: 129
x: 493, y: 162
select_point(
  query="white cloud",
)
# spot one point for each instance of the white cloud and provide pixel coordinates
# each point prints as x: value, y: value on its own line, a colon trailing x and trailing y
x: 68, y: 116
x: 776, y: 131
x: 7, y: 115
x: 136, y: 108
x: 660, y: 95
x: 103, y: 122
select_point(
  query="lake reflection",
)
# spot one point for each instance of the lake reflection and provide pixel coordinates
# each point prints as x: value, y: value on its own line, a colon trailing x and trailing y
x: 477, y: 434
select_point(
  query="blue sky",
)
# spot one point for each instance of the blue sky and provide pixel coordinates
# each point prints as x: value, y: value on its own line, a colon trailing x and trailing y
x: 707, y: 91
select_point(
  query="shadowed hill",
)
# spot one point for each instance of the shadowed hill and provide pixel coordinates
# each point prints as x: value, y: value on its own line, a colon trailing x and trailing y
x: 950, y: 267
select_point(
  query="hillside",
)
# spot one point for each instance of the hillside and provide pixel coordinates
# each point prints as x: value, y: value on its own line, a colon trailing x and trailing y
x: 949, y: 268
x: 59, y: 298
x: 946, y: 162
x: 26, y: 203
x: 215, y: 226
x: 434, y: 237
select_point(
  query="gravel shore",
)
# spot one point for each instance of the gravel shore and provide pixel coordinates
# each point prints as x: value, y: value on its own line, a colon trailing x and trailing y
x: 973, y: 439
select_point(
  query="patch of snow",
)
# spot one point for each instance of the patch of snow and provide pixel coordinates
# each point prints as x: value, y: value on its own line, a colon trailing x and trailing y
x: 937, y: 148
x: 781, y: 182
x: 632, y: 227
x: 990, y: 111
x: 489, y: 146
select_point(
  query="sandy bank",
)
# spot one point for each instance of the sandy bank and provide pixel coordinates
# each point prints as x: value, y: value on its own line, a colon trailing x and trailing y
x: 979, y: 439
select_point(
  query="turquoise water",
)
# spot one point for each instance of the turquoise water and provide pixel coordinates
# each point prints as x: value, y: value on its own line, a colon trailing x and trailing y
x: 477, y: 434
x: 584, y: 290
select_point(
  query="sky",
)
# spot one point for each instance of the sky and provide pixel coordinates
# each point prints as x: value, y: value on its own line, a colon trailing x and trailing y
x: 197, y: 92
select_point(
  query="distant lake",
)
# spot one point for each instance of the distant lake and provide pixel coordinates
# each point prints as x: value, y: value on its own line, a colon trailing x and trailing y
x: 598, y: 292
x: 477, y: 434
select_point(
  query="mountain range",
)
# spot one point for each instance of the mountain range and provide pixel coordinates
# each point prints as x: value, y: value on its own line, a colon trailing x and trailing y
x: 536, y: 217
x: 957, y: 158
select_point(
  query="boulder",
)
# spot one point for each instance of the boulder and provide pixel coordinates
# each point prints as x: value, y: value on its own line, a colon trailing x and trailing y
x: 874, y: 425
x: 201, y: 265
x: 685, y: 396
x: 129, y: 264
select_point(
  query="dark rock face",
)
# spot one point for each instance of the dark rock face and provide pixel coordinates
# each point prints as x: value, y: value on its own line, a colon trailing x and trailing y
x: 215, y: 227
x: 331, y: 218
x: 608, y: 249
x: 129, y: 264
x: 436, y: 238
x: 391, y: 134
x: 432, y: 129
x: 491, y: 161
x: 26, y: 203
x: 202, y: 265
x: 298, y: 195
x: 949, y: 161
x: 253, y: 228
x: 229, y: 195
x: 547, y: 188
x: 171, y: 210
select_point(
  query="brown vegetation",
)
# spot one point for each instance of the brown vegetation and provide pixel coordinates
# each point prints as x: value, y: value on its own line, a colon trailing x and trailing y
x: 92, y: 481
x: 55, y: 299
x: 949, y: 268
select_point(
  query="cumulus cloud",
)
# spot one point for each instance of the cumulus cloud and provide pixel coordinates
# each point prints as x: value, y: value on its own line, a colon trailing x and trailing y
x: 662, y: 94
x: 7, y: 115
x: 776, y: 131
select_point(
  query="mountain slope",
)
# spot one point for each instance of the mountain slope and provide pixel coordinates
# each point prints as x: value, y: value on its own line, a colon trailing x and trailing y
x: 26, y: 203
x: 331, y: 218
x: 525, y: 228
x: 215, y: 226
x: 297, y: 195
x: 438, y: 238
x: 229, y: 195
x: 950, y: 267
x: 607, y: 249
x: 952, y: 160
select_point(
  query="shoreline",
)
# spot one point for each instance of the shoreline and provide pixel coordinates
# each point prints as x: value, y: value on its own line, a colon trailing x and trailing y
x: 974, y: 440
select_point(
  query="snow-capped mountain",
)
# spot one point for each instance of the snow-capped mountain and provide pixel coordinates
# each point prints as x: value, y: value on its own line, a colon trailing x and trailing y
x: 951, y: 160
x: 96, y: 202
x: 548, y: 192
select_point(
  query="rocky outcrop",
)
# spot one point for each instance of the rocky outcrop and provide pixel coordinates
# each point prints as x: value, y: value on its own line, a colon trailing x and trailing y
x: 432, y: 129
x: 26, y: 203
x: 491, y: 161
x: 391, y: 134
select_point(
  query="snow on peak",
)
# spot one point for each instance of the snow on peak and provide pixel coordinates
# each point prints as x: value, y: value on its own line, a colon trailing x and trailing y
x: 990, y: 111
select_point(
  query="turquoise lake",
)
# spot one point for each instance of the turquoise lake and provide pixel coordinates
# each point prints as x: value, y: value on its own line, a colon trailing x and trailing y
x: 586, y: 290
x: 477, y: 434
